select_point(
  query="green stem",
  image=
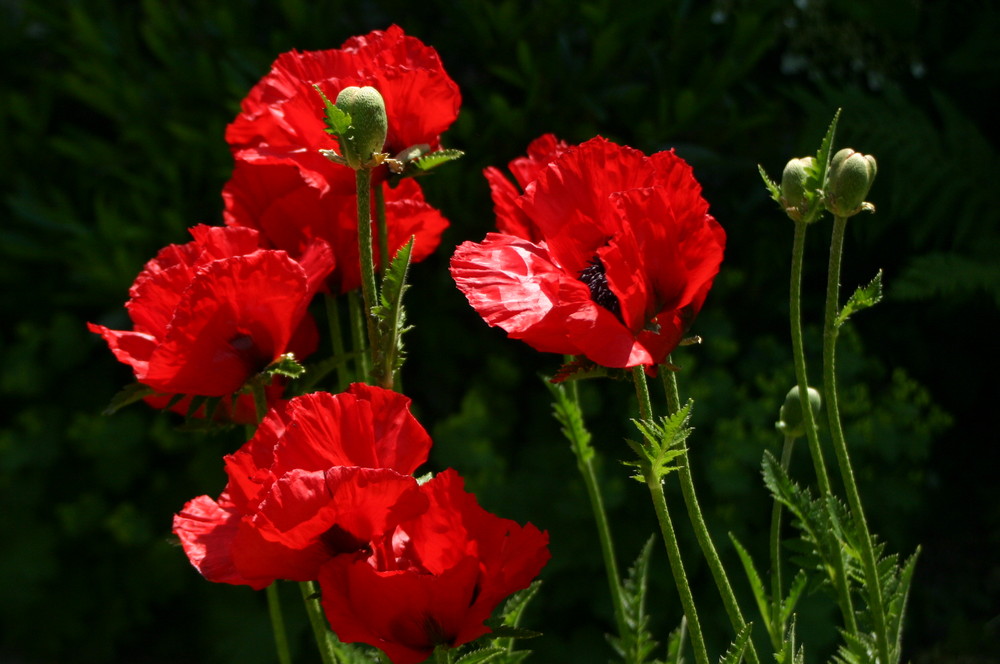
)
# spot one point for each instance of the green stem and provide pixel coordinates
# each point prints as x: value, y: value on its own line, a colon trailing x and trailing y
x: 278, y: 624
x: 830, y: 332
x: 584, y: 454
x: 314, y: 610
x: 383, y: 228
x: 368, y: 289
x: 701, y: 529
x: 777, y: 631
x: 358, y: 336
x: 337, y: 341
x: 442, y: 655
x: 799, y: 357
x: 655, y: 485
x: 841, y: 581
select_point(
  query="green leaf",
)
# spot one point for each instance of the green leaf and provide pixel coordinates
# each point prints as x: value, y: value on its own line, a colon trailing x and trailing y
x: 817, y: 173
x: 390, y: 317
x: 337, y: 121
x: 128, y: 395
x: 738, y: 647
x: 664, y: 441
x: 826, y: 149
x: 862, y: 298
x: 516, y: 604
x: 756, y: 585
x: 435, y: 159
x: 286, y: 366
x: 567, y: 413
x: 675, y: 643
x: 637, y: 644
x: 799, y: 584
x: 771, y: 185
x: 481, y: 656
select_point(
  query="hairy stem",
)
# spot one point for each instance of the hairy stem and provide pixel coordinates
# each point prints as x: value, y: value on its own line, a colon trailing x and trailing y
x: 701, y: 530
x: 777, y: 591
x: 830, y: 332
x: 368, y: 290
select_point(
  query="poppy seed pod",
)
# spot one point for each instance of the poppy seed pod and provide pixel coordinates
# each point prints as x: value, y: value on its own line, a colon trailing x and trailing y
x: 790, y: 420
x: 793, y: 186
x: 369, y: 124
x: 851, y: 176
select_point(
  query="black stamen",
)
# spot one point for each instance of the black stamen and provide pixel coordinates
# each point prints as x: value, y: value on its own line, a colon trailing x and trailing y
x: 597, y: 281
x: 336, y: 540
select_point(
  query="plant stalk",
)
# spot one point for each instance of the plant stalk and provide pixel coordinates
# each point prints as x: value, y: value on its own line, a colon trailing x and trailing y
x: 777, y: 591
x: 369, y: 292
x: 830, y: 333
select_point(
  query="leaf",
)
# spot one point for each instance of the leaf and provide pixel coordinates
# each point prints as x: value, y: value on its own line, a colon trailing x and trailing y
x: 128, y: 395
x: 567, y: 413
x: 826, y: 149
x: 756, y: 585
x: 637, y: 644
x: 481, y: 656
x: 390, y: 317
x: 771, y: 185
x: 435, y: 159
x: 516, y: 604
x: 337, y: 121
x: 664, y: 441
x: 675, y: 643
x: 799, y: 584
x: 286, y: 366
x: 862, y: 298
x: 738, y: 647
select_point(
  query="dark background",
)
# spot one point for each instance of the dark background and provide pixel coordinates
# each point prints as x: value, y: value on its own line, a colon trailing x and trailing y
x: 111, y: 144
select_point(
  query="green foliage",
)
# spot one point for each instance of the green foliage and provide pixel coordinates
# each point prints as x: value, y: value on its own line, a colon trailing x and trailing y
x: 664, y: 442
x: 567, y: 412
x: 637, y: 644
x: 736, y: 649
x: 338, y: 121
x: 390, y: 316
x: 863, y: 298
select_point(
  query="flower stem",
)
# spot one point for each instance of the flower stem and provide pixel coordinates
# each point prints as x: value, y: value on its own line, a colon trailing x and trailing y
x: 812, y: 433
x: 655, y: 485
x: 701, y: 530
x: 337, y: 341
x: 383, y: 228
x: 830, y: 332
x: 358, y: 336
x: 278, y: 624
x: 777, y: 631
x: 584, y: 454
x: 368, y: 289
x: 327, y: 649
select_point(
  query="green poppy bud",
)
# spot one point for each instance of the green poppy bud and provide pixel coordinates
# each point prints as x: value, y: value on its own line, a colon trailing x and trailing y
x: 851, y: 176
x: 369, y: 124
x: 790, y: 419
x: 793, y: 186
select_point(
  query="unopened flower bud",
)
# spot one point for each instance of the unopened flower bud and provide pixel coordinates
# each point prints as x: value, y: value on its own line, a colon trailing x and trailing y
x: 851, y: 176
x: 793, y: 186
x: 790, y: 419
x: 369, y: 124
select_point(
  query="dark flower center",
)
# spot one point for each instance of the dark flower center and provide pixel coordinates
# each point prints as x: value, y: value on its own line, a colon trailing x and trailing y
x: 336, y: 541
x: 248, y: 351
x: 597, y: 281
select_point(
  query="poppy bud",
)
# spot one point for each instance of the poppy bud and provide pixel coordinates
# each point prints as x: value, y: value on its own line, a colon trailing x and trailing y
x: 790, y: 420
x: 850, y: 178
x: 369, y: 124
x: 793, y: 186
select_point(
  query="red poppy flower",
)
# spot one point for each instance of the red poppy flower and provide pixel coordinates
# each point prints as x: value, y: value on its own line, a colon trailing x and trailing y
x: 284, y: 187
x: 617, y: 259
x: 272, y: 197
x: 323, y: 476
x: 450, y: 567
x: 210, y: 314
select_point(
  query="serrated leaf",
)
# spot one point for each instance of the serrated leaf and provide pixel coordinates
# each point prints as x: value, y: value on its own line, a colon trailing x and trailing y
x: 756, y: 585
x: 771, y: 185
x: 826, y: 149
x: 390, y: 317
x: 516, y: 604
x: 512, y: 632
x: 637, y: 643
x: 738, y: 647
x: 862, y: 298
x: 286, y: 366
x: 337, y: 120
x: 664, y: 440
x: 435, y: 159
x: 799, y: 584
x: 481, y: 656
x: 567, y: 413
x: 675, y: 643
x: 126, y: 396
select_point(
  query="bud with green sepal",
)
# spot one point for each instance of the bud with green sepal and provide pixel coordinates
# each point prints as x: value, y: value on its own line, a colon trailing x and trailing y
x: 794, y: 192
x: 790, y: 419
x: 359, y: 122
x: 851, y: 176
